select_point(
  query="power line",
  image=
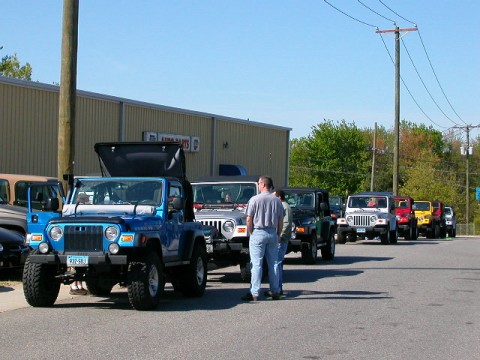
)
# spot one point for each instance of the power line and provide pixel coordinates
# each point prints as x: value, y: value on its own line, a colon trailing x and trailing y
x: 424, y: 85
x: 351, y: 17
x: 408, y: 90
x: 436, y: 77
x: 369, y: 8
x: 400, y: 16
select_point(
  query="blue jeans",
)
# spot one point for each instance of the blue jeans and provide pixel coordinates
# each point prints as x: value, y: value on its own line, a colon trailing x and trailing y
x: 263, y: 242
x: 282, y: 250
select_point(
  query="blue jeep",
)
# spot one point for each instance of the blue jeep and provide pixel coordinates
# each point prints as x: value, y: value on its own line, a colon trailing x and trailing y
x: 133, y: 226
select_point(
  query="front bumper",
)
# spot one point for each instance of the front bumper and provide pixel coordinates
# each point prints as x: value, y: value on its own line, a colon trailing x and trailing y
x: 93, y: 259
x: 362, y: 230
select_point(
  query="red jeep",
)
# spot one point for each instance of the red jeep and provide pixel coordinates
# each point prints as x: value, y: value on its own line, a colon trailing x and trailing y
x: 406, y: 220
x: 439, y: 218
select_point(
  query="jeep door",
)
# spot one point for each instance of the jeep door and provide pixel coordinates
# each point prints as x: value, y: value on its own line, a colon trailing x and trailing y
x: 173, y: 223
x: 45, y: 201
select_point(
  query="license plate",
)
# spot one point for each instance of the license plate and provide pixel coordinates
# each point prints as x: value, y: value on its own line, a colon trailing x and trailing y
x: 75, y: 260
x: 209, y: 249
x: 361, y: 230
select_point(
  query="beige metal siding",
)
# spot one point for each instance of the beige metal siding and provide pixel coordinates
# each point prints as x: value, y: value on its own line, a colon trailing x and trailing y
x: 262, y: 150
x: 97, y: 121
x: 139, y: 119
x: 28, y: 130
x: 29, y: 122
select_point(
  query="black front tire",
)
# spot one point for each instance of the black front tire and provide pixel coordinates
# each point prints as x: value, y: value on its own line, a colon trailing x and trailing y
x: 328, y: 251
x: 385, y: 237
x: 245, y: 272
x: 341, y: 238
x: 309, y: 251
x: 146, y: 282
x: 40, y: 287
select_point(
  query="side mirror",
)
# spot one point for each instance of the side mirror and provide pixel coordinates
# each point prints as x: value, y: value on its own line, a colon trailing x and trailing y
x: 51, y: 204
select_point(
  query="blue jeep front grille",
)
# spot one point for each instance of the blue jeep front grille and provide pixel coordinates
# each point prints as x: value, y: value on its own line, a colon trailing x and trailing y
x: 83, y: 238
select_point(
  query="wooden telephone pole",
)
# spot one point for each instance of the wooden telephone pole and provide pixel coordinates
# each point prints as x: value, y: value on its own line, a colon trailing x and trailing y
x: 396, y: 145
x: 467, y: 154
x: 68, y: 84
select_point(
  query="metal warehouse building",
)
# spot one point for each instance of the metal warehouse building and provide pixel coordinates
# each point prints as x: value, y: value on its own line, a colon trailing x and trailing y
x: 214, y: 144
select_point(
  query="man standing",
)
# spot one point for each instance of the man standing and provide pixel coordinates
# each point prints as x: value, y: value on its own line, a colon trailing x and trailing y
x: 264, y: 225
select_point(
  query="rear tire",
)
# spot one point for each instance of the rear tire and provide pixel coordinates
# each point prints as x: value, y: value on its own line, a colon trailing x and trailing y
x: 99, y: 287
x: 193, y: 278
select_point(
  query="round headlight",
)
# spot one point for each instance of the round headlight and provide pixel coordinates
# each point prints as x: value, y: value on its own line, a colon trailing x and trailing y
x: 56, y: 233
x: 114, y: 248
x: 228, y: 226
x: 373, y: 218
x: 349, y: 218
x: 111, y: 233
x: 43, y: 248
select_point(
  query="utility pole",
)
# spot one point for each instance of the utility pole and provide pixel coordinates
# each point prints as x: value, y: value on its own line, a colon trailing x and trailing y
x: 67, y: 97
x: 467, y: 152
x: 396, y: 144
x: 374, y: 151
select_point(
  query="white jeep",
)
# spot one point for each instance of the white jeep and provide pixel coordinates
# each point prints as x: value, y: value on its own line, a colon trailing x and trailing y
x: 368, y: 215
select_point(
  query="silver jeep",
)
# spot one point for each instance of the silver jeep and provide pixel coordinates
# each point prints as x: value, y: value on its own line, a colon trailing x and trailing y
x: 368, y: 215
x: 219, y: 204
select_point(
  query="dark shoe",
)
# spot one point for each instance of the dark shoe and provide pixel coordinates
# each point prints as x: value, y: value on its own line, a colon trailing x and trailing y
x: 249, y: 297
x: 269, y: 294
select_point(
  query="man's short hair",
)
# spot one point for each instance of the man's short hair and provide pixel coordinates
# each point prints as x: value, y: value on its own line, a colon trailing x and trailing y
x: 267, y: 181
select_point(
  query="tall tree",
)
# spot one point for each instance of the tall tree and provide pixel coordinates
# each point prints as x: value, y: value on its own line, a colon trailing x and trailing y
x: 10, y: 67
x: 334, y: 156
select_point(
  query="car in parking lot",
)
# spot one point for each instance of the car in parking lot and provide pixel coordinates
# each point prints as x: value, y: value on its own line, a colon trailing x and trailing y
x: 13, y: 251
x: 450, y: 221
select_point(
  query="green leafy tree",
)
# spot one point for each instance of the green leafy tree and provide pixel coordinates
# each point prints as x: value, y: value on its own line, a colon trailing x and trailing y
x: 334, y: 156
x: 10, y: 67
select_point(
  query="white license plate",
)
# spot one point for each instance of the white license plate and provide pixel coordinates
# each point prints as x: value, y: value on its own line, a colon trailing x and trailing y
x: 361, y: 230
x: 76, y: 260
x: 209, y: 249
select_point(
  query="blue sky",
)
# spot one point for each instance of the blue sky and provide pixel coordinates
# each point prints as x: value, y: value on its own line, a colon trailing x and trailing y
x: 288, y: 63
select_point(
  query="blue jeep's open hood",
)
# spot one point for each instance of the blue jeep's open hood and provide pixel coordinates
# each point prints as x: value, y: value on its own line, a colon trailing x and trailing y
x: 142, y: 159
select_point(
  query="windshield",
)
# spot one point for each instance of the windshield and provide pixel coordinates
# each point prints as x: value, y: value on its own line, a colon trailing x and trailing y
x: 448, y: 211
x: 304, y: 200
x: 117, y: 191
x: 379, y: 202
x: 401, y: 204
x: 223, y: 193
x: 422, y: 206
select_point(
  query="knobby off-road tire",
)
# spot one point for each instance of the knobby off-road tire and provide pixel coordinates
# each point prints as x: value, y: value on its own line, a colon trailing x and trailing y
x: 146, y: 282
x: 245, y: 272
x: 309, y: 253
x: 394, y: 236
x: 328, y: 251
x: 192, y: 280
x: 385, y: 238
x: 341, y: 238
x: 39, y: 284
x: 99, y: 287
